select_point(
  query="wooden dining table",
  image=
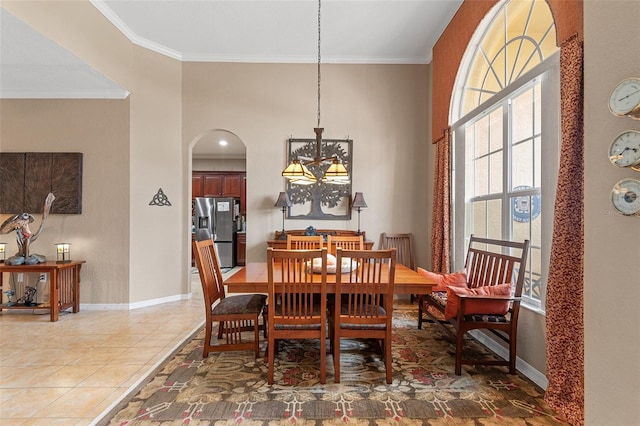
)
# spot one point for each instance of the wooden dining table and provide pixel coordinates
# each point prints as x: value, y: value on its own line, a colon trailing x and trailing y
x: 253, y: 278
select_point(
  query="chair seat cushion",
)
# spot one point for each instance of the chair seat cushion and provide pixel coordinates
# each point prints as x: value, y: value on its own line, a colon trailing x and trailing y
x: 241, y: 304
x: 372, y: 311
x: 316, y: 311
x: 438, y: 298
x: 278, y: 326
x: 486, y: 318
x: 479, y: 306
x: 457, y: 279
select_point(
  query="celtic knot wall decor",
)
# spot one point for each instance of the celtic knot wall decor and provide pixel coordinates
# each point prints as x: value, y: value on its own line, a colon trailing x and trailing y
x: 160, y: 199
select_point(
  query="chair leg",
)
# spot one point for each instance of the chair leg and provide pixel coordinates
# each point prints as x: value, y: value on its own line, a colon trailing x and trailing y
x: 336, y: 358
x: 271, y: 355
x: 323, y: 361
x: 265, y: 315
x: 459, y: 343
x: 512, y: 354
x: 256, y: 336
x: 420, y: 313
x: 207, y: 339
x: 387, y: 360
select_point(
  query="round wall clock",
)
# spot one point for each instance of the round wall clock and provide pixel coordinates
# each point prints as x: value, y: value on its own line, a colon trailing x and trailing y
x: 625, y: 196
x: 625, y: 150
x: 625, y: 98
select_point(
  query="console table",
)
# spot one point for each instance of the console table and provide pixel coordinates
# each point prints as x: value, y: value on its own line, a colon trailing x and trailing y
x: 278, y: 243
x: 64, y: 282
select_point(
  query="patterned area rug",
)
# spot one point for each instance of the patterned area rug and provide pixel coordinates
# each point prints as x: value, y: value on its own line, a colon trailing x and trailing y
x: 231, y: 388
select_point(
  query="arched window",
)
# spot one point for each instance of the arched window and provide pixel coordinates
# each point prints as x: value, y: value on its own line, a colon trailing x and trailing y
x: 505, y: 111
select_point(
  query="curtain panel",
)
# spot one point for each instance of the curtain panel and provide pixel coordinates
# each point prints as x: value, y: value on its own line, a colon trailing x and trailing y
x: 441, y: 223
x: 565, y: 297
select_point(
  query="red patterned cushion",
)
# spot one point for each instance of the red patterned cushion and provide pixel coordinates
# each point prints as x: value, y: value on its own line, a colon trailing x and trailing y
x: 482, y: 306
x: 456, y: 279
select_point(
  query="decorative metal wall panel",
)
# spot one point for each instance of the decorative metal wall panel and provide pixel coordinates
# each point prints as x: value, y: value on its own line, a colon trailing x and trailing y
x: 320, y: 200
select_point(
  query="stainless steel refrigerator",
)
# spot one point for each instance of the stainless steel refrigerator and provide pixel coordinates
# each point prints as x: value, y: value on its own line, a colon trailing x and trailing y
x: 218, y: 219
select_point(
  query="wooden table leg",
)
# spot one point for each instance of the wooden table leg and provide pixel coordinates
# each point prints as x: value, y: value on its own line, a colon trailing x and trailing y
x: 2, y: 288
x: 53, y: 298
x: 76, y: 288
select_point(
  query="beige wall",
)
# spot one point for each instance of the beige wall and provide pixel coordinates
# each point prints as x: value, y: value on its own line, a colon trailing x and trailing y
x: 213, y: 165
x: 383, y: 108
x: 159, y: 252
x: 154, y: 158
x: 612, y: 253
x: 100, y: 235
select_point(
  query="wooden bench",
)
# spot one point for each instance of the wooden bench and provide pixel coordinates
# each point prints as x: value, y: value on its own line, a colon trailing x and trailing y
x: 488, y: 263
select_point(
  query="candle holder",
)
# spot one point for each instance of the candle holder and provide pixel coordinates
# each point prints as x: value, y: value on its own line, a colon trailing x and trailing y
x: 64, y: 252
x: 3, y: 252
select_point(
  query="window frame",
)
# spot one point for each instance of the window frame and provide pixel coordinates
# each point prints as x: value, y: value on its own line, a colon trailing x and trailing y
x: 548, y: 72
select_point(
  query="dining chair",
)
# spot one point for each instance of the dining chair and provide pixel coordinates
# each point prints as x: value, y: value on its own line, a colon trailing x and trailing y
x: 293, y: 311
x: 366, y: 310
x: 304, y: 242
x: 235, y: 314
x: 403, y: 242
x: 347, y: 242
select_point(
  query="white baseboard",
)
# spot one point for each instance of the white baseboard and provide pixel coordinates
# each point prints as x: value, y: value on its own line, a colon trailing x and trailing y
x: 531, y: 373
x: 131, y: 306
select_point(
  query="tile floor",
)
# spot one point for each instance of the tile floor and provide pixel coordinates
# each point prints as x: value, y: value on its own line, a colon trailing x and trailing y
x: 69, y: 372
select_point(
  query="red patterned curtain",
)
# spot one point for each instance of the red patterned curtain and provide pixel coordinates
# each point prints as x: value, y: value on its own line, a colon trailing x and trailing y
x: 565, y: 302
x: 441, y: 223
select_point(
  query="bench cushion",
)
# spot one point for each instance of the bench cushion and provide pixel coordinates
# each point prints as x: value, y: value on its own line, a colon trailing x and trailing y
x: 483, y: 306
x: 457, y: 279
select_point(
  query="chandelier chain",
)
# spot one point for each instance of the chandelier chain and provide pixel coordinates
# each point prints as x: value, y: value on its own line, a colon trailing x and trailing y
x: 319, y: 62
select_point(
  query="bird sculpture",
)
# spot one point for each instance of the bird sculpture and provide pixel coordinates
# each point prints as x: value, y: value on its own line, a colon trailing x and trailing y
x: 24, y: 236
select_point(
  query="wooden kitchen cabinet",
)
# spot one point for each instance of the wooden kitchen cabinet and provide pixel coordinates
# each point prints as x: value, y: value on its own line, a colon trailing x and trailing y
x: 217, y: 184
x: 213, y: 185
x: 197, y: 189
x: 232, y: 186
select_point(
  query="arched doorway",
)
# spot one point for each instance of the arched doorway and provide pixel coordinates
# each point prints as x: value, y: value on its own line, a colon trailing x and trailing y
x: 218, y: 170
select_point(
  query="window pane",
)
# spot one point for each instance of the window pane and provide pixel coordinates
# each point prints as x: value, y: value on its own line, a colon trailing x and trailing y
x: 522, y: 116
x: 495, y: 167
x: 479, y: 227
x: 482, y: 137
x: 496, y: 130
x: 522, y: 165
x: 481, y: 174
x: 494, y: 219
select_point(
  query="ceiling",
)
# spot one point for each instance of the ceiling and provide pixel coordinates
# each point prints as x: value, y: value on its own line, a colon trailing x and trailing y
x: 264, y: 31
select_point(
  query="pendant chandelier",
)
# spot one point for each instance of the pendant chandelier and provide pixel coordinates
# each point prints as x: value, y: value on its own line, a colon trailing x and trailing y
x: 297, y: 171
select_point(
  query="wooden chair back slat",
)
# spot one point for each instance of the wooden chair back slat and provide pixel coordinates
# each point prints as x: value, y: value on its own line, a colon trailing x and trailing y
x: 304, y: 242
x: 346, y: 242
